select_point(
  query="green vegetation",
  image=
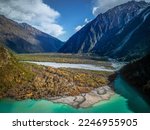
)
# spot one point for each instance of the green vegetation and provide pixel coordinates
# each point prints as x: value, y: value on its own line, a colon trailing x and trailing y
x: 137, y: 74
x: 12, y: 73
x: 64, y: 58
x: 23, y: 80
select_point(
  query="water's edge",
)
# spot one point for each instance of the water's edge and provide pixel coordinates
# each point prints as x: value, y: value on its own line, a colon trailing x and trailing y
x: 126, y: 101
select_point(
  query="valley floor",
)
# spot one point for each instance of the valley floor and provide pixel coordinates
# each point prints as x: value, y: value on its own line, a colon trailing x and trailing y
x: 65, y: 58
x: 77, y: 87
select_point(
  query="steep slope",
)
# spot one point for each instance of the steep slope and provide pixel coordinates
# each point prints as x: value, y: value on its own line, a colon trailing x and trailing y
x: 23, y: 38
x: 12, y: 73
x: 132, y: 42
x: 102, y: 28
x: 138, y: 74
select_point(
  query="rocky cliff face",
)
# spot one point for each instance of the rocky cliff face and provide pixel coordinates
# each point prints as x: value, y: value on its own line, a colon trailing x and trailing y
x: 138, y: 74
x: 132, y: 42
x: 23, y: 38
x: 97, y: 33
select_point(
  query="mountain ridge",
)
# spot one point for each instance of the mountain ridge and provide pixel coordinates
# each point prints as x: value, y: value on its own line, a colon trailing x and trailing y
x: 103, y: 28
x: 23, y: 38
x: 133, y: 41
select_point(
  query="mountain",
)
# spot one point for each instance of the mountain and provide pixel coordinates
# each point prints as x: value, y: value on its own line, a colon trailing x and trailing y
x: 93, y: 37
x: 23, y: 38
x: 132, y: 42
x: 138, y: 74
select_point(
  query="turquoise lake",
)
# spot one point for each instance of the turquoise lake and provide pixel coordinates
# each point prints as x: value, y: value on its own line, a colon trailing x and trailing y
x: 127, y: 100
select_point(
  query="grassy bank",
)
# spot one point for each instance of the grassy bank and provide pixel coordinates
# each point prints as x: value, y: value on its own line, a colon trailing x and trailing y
x: 65, y: 58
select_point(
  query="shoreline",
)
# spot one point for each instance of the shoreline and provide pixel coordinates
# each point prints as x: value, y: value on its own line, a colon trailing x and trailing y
x: 82, y: 101
x: 86, y: 100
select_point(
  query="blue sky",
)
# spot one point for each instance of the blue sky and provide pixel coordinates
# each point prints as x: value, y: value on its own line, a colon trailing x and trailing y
x: 59, y: 18
x: 73, y: 13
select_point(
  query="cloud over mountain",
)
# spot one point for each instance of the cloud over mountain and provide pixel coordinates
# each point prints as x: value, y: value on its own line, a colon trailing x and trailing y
x: 81, y: 26
x: 102, y: 6
x: 33, y: 12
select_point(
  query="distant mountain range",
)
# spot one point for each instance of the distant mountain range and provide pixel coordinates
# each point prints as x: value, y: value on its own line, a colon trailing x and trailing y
x: 121, y: 33
x: 132, y: 42
x: 23, y: 38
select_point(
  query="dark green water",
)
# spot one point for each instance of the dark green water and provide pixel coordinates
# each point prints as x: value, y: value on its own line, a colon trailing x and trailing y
x: 126, y: 101
x: 135, y: 101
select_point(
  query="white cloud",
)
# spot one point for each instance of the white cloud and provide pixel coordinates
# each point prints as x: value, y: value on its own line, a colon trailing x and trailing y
x: 95, y: 10
x: 102, y: 6
x: 33, y: 12
x: 81, y: 26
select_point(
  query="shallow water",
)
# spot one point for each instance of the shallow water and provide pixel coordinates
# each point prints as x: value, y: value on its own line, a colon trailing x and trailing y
x: 127, y: 101
x: 115, y: 104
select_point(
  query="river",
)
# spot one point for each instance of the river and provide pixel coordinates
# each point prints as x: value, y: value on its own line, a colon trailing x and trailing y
x: 70, y: 65
x: 126, y: 100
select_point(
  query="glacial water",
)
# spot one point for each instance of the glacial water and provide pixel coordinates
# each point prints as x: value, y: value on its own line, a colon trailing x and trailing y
x: 127, y: 100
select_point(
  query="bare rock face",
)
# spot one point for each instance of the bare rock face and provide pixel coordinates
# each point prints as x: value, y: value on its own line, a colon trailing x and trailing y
x: 132, y: 42
x: 102, y: 28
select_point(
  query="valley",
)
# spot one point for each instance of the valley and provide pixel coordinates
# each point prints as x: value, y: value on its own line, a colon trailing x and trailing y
x: 65, y: 58
x: 103, y: 67
x: 58, y: 84
x: 75, y: 90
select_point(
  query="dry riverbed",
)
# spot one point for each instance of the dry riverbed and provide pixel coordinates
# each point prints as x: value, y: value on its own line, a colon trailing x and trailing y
x: 86, y: 100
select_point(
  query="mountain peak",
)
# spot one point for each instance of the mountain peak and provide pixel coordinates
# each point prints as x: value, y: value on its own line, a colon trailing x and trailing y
x: 104, y: 27
x: 130, y: 5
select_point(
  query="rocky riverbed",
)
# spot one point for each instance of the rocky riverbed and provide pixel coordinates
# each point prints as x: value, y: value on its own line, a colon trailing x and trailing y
x: 85, y: 100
